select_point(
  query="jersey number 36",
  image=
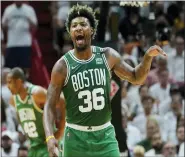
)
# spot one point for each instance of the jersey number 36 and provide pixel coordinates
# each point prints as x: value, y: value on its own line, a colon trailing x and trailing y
x: 93, y: 100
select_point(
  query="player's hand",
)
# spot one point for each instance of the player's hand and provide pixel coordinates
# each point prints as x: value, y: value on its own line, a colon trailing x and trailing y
x: 53, y: 147
x: 155, y: 51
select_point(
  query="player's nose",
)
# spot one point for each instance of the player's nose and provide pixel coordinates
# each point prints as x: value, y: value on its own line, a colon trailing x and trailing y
x: 79, y: 27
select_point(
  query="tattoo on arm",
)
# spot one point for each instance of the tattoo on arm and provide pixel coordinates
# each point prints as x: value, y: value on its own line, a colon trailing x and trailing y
x: 58, y: 76
x: 142, y: 70
x: 123, y: 70
x: 119, y: 66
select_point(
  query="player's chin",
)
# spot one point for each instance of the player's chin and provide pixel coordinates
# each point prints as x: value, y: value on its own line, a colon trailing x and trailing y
x: 80, y: 47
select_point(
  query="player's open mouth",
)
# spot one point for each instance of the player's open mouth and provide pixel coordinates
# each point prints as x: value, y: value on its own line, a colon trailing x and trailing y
x: 80, y: 39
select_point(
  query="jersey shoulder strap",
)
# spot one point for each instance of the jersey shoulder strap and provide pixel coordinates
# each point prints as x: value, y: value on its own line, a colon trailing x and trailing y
x: 97, y: 49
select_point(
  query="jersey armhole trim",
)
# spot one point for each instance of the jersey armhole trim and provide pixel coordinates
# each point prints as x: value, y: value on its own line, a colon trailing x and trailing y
x: 34, y: 103
x: 14, y: 99
x: 106, y: 63
x: 68, y: 71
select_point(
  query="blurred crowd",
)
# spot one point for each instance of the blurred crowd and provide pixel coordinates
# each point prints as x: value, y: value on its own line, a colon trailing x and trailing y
x: 152, y: 114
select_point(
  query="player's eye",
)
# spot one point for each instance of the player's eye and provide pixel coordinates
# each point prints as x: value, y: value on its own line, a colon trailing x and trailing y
x: 73, y: 26
x: 83, y: 24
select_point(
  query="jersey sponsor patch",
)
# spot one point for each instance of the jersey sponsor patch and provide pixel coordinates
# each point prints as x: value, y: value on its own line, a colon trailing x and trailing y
x: 99, y: 61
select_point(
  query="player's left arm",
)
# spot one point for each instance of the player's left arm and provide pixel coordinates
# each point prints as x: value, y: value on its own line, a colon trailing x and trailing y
x: 135, y: 75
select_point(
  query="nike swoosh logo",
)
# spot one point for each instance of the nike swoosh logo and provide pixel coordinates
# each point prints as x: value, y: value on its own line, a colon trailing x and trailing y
x: 108, y: 133
x: 73, y: 67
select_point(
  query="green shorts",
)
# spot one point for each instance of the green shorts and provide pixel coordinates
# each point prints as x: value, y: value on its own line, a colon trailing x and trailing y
x: 38, y: 151
x: 90, y: 144
x: 41, y: 151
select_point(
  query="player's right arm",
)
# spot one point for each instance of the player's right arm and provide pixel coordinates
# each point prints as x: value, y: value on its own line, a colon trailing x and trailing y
x: 58, y: 77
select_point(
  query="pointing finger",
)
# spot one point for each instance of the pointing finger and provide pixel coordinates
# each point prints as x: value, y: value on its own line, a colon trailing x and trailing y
x: 161, y: 51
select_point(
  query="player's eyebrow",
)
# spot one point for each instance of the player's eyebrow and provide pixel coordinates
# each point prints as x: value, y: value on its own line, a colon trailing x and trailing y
x: 80, y: 22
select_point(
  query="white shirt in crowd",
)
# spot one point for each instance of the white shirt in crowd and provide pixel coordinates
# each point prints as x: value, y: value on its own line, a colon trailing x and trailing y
x: 176, y: 66
x: 18, y: 24
x: 181, y: 150
x: 159, y: 93
x: 170, y: 121
x: 133, y: 135
x: 133, y: 98
x: 164, y: 107
x: 13, y: 151
x: 140, y: 122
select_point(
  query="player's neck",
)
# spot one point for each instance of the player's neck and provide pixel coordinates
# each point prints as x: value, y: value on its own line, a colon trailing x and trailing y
x: 83, y: 55
x: 23, y: 92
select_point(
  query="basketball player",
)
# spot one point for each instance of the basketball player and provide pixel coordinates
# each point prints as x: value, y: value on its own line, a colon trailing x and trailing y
x: 84, y: 75
x: 29, y: 100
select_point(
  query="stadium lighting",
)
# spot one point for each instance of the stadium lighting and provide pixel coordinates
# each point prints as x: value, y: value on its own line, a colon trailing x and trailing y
x: 134, y: 3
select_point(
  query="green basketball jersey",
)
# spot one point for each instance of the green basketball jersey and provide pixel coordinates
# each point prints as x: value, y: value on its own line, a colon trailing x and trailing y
x: 87, y: 88
x: 30, y: 117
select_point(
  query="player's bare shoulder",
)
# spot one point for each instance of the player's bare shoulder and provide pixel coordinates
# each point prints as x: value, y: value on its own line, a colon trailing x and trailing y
x: 59, y: 73
x: 37, y: 90
x: 111, y: 55
x: 39, y: 94
x: 60, y: 67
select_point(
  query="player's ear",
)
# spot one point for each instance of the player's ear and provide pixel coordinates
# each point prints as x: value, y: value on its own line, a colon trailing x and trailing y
x: 92, y: 31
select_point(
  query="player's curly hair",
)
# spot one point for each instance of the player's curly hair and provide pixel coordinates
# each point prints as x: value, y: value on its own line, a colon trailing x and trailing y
x: 84, y: 11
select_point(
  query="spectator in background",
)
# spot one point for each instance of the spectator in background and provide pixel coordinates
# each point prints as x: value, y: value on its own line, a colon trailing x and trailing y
x: 18, y: 20
x: 160, y: 17
x: 161, y: 90
x: 131, y: 93
x: 181, y: 120
x: 133, y: 133
x: 138, y: 151
x: 157, y: 145
x: 165, y: 106
x: 170, y: 118
x: 172, y: 12
x: 22, y: 151
x: 176, y: 60
x: 139, y: 51
x: 130, y: 25
x: 140, y: 121
x: 9, y: 147
x: 143, y: 91
x: 151, y: 128
x: 180, y: 136
x: 6, y: 94
x: 169, y: 48
x: 154, y: 75
x: 9, y: 119
x: 169, y: 150
x: 181, y: 150
x: 62, y: 39
x: 179, y: 21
